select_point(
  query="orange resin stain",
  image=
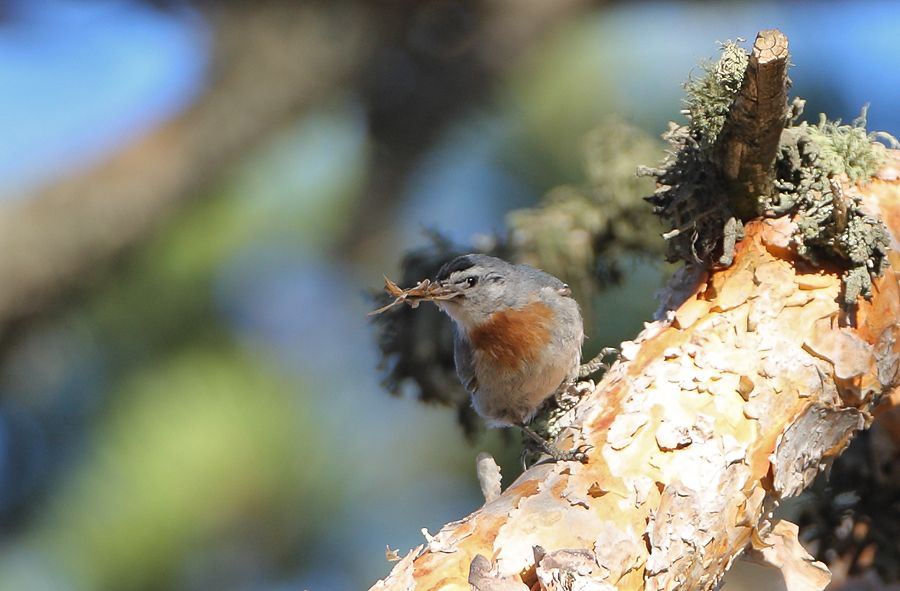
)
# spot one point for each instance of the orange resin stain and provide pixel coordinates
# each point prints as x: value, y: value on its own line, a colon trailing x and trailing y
x: 513, y: 337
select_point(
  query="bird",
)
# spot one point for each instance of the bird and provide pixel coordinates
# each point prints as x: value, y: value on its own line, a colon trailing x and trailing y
x: 518, y: 335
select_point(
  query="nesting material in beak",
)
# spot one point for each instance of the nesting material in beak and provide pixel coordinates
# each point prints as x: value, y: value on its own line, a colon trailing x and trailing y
x: 424, y: 291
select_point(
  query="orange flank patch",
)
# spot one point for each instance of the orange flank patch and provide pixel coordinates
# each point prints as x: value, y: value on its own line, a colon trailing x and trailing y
x: 512, y: 337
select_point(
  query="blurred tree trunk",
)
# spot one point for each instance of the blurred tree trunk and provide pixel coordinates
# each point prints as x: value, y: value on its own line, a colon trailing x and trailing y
x: 751, y: 382
x: 271, y: 61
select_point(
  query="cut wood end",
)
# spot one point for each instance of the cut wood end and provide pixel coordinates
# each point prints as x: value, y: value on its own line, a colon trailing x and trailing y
x: 770, y: 45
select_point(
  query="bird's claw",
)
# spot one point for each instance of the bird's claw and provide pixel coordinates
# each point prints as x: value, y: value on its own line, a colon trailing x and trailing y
x: 579, y: 454
x: 597, y: 363
x: 567, y: 396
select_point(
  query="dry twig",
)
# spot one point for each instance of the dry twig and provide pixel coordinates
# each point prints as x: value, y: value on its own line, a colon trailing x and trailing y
x: 423, y: 291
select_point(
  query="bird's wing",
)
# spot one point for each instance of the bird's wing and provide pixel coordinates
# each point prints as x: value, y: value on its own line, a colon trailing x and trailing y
x: 465, y: 365
x: 542, y: 278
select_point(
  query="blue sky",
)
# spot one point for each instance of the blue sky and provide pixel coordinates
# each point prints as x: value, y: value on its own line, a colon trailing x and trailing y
x: 80, y: 78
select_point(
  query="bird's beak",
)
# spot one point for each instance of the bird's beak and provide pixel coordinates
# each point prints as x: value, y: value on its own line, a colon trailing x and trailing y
x: 442, y: 290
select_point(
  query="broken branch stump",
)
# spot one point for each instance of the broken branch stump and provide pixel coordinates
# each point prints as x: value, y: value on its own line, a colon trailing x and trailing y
x: 749, y: 140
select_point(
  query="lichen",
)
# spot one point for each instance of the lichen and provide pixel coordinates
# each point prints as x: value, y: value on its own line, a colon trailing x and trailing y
x: 811, y: 163
x: 709, y: 97
x: 689, y: 190
x: 847, y: 149
x: 832, y: 226
x: 580, y: 232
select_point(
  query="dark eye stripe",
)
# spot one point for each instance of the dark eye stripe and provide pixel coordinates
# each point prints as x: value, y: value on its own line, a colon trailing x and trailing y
x: 460, y: 263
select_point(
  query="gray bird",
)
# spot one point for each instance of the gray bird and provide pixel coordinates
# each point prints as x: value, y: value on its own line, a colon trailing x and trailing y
x: 517, y: 338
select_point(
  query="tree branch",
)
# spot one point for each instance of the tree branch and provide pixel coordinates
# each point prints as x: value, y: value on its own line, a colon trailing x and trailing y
x: 747, y: 385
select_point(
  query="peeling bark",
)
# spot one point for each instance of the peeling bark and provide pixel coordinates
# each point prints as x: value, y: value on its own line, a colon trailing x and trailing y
x: 750, y: 381
x: 781, y: 549
x: 488, y: 476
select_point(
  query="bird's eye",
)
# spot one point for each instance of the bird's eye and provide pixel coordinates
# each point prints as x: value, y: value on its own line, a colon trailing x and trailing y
x: 467, y: 281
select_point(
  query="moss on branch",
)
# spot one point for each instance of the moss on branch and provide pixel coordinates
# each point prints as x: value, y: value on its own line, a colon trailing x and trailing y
x: 741, y: 156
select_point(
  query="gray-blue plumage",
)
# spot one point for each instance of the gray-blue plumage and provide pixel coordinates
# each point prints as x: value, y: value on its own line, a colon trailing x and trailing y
x: 507, y: 394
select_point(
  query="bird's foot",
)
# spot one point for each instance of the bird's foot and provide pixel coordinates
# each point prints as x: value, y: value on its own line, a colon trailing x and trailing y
x: 578, y: 454
x: 597, y: 363
x: 567, y: 396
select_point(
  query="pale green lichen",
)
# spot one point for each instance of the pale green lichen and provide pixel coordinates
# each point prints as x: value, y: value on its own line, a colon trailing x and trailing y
x: 811, y: 160
x: 689, y: 189
x: 847, y: 149
x: 830, y: 225
x: 578, y: 230
x: 709, y: 97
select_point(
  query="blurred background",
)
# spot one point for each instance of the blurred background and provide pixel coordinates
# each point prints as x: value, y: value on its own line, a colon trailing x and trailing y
x: 196, y: 199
